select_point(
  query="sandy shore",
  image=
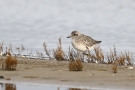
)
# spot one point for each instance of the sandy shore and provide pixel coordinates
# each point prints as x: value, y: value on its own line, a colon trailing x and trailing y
x: 57, y: 73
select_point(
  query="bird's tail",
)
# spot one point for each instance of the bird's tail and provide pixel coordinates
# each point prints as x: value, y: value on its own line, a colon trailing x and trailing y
x: 98, y: 42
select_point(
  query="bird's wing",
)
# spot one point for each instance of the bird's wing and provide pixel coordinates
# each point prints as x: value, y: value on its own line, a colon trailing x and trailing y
x: 88, y: 40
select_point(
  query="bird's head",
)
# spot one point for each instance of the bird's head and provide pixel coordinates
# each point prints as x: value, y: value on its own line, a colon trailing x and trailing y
x: 74, y: 34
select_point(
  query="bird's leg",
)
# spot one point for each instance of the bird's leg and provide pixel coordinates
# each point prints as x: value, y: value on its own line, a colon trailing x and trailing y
x: 84, y: 53
x: 87, y: 51
x: 88, y: 55
x: 80, y: 56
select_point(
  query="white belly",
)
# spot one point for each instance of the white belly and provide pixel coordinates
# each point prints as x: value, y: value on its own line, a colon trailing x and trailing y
x: 80, y: 47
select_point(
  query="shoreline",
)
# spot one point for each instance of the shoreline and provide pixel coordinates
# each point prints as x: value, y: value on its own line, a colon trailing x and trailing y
x: 56, y: 73
x: 61, y: 85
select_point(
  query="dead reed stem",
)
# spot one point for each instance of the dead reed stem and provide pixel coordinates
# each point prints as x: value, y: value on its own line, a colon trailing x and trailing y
x: 46, y: 50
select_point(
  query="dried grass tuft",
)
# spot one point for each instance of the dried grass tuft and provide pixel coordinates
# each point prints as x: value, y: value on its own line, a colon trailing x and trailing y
x: 97, y: 57
x: 72, y: 55
x: 114, y: 68
x: 58, y: 53
x: 75, y: 65
x: 112, y: 56
x: 128, y: 58
x: 9, y: 63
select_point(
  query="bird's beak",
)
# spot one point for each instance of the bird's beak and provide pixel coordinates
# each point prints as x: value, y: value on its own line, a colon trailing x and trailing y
x: 69, y: 37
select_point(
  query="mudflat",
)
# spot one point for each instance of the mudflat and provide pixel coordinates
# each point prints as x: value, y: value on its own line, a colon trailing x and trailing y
x: 54, y: 72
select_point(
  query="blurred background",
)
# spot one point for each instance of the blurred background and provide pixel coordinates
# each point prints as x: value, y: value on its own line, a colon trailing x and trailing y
x: 32, y: 22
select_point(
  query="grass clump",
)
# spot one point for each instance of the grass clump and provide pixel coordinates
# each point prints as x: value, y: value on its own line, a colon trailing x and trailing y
x: 72, y: 55
x: 58, y: 53
x: 114, y: 68
x: 119, y: 59
x: 97, y: 57
x: 75, y: 65
x: 9, y: 62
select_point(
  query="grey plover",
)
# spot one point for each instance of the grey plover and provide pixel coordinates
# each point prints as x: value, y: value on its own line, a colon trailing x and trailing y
x: 82, y: 42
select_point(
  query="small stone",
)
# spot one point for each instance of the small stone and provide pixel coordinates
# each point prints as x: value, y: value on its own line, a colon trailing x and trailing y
x: 1, y: 77
x: 113, y: 75
x: 8, y: 78
x: 130, y: 68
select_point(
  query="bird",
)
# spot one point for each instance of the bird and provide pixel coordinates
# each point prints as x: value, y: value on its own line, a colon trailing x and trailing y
x: 82, y: 42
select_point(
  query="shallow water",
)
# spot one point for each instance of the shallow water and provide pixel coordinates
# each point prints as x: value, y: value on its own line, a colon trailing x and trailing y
x: 32, y: 22
x: 11, y: 86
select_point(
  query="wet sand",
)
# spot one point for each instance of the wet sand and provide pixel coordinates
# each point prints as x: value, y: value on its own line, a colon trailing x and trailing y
x: 53, y: 72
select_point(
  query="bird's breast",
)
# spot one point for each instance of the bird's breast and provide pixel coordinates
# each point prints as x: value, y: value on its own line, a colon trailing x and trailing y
x: 79, y: 46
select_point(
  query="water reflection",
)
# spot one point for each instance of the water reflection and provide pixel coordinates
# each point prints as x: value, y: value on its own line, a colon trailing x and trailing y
x: 76, y: 89
x: 8, y: 86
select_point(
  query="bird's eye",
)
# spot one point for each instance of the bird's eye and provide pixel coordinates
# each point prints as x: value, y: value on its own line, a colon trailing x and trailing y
x: 75, y: 35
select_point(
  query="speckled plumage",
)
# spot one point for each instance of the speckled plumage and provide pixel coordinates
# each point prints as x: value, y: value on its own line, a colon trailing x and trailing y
x: 82, y: 42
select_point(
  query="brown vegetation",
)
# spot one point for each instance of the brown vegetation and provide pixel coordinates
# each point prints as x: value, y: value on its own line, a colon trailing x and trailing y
x: 9, y: 62
x: 75, y: 58
x: 97, y: 57
x: 75, y: 65
x: 72, y: 55
x: 114, y: 68
x: 9, y: 86
x: 58, y: 53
